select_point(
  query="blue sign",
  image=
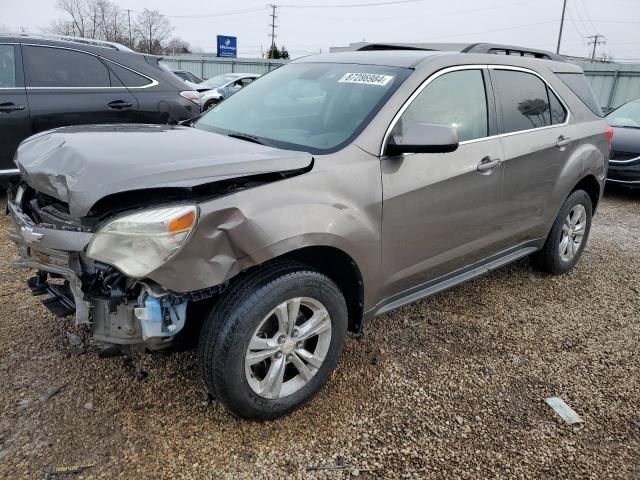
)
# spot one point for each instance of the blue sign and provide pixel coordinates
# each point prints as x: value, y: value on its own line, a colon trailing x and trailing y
x: 227, y: 46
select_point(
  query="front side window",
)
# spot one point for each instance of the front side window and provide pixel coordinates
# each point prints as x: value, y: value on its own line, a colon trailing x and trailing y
x: 314, y: 107
x: 7, y: 66
x: 57, y: 67
x: 522, y: 101
x: 457, y: 99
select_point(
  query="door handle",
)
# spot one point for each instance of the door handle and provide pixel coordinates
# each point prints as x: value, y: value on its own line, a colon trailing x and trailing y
x: 488, y: 165
x: 119, y: 105
x: 10, y: 107
x: 563, y: 141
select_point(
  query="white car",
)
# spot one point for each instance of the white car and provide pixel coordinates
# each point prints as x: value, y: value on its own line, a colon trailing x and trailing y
x: 217, y: 88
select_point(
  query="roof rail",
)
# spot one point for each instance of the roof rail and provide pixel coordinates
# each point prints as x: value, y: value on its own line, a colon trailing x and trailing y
x: 511, y: 50
x: 490, y: 48
x: 66, y: 38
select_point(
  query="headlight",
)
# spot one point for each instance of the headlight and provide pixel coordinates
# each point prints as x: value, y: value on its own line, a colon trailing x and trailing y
x: 139, y: 243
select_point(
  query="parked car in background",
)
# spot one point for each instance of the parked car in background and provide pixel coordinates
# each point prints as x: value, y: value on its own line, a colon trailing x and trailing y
x: 188, y: 76
x: 48, y: 82
x: 336, y: 189
x: 216, y: 89
x: 624, y: 159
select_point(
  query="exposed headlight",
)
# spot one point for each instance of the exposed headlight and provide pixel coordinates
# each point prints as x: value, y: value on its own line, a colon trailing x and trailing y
x: 139, y: 243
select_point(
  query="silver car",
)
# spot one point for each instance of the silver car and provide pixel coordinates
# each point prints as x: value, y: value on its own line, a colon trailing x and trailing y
x: 216, y: 89
x: 337, y: 188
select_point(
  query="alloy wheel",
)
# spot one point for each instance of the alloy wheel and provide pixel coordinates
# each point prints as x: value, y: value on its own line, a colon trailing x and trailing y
x: 573, y: 231
x: 288, y: 347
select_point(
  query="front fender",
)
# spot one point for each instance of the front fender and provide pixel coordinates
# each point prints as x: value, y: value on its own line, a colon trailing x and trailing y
x: 324, y: 207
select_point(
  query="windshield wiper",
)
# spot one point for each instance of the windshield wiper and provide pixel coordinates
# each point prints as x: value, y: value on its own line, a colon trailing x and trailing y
x: 248, y: 138
x: 626, y: 126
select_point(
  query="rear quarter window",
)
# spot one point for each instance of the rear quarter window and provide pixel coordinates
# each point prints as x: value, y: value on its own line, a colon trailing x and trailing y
x: 578, y: 84
x: 128, y: 77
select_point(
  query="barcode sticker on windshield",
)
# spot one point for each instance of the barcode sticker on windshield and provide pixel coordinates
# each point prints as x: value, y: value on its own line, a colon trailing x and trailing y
x: 366, y: 78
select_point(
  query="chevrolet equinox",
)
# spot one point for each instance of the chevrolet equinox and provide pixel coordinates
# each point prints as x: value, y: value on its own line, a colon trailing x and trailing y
x: 328, y: 192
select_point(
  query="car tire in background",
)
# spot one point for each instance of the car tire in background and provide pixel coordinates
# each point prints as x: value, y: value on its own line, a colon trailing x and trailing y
x: 568, y: 236
x: 211, y: 104
x: 273, y: 339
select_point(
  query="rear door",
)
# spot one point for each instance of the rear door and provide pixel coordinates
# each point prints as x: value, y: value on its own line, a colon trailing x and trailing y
x: 537, y: 141
x: 71, y: 87
x: 439, y: 209
x: 14, y: 109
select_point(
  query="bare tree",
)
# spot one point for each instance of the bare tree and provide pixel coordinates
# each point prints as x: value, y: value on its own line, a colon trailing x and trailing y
x: 177, y: 45
x: 79, y: 18
x: 152, y: 28
x: 99, y: 19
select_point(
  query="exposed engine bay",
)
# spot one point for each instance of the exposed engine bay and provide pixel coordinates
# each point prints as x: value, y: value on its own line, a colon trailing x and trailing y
x: 119, y: 309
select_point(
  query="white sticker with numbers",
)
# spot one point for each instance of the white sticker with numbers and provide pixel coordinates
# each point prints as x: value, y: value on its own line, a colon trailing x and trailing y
x: 366, y: 78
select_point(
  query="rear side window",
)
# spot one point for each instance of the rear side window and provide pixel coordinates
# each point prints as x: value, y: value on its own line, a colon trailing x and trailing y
x: 457, y: 99
x: 128, y: 77
x: 7, y: 66
x: 57, y: 67
x: 522, y: 101
x: 558, y: 112
x: 578, y: 84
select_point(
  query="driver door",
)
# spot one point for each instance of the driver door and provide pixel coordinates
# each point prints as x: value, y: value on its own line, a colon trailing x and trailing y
x: 439, y: 209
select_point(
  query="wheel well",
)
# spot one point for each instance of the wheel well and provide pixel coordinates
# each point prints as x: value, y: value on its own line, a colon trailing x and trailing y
x: 340, y: 268
x: 590, y: 185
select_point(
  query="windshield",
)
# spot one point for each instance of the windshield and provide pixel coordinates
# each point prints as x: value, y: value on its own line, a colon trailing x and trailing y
x: 628, y: 115
x: 219, y: 80
x: 314, y: 107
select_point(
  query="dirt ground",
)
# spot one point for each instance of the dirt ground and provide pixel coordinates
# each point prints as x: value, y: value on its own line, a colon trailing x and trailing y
x: 451, y: 387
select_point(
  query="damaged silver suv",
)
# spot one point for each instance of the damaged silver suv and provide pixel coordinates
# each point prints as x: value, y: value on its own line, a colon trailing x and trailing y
x: 328, y: 192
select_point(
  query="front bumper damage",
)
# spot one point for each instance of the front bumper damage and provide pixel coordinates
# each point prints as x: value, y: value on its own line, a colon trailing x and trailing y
x: 118, y: 309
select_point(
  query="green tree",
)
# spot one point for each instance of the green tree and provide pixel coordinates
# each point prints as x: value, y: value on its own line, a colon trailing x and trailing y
x: 273, y: 52
x: 283, y: 53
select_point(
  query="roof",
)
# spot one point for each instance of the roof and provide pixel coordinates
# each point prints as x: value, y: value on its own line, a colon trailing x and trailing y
x: 67, y: 39
x: 389, y: 58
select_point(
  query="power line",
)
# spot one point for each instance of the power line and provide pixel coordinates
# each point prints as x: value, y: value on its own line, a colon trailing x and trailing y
x: 514, y: 27
x: 220, y: 14
x: 595, y: 42
x: 352, y: 5
x: 586, y: 12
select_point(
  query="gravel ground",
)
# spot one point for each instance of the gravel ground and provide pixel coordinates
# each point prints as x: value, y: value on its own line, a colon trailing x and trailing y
x: 451, y: 387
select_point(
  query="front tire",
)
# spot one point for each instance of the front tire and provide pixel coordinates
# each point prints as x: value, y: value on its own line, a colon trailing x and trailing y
x: 272, y: 340
x: 568, y: 236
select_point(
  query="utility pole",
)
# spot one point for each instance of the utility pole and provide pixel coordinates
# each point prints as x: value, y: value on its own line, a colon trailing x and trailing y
x: 130, y: 38
x: 595, y: 42
x: 564, y: 8
x: 273, y: 24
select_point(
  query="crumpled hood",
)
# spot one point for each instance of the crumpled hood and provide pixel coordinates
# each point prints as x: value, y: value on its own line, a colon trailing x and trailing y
x: 81, y: 165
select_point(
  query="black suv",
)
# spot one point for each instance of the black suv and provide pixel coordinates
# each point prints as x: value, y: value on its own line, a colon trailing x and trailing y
x: 48, y: 82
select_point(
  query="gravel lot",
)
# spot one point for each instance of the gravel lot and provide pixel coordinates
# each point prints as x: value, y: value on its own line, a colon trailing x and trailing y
x: 452, y: 387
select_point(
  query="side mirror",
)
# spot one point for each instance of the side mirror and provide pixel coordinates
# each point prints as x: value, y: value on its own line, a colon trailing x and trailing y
x: 424, y: 138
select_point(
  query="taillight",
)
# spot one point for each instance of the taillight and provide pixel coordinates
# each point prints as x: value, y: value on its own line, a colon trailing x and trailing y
x: 191, y: 95
x: 609, y: 136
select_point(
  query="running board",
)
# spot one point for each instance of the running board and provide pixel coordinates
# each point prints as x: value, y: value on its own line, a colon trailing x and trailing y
x: 449, y: 281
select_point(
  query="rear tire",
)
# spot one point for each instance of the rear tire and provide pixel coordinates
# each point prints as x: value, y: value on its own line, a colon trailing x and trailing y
x: 568, y: 236
x: 209, y: 105
x: 258, y: 353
